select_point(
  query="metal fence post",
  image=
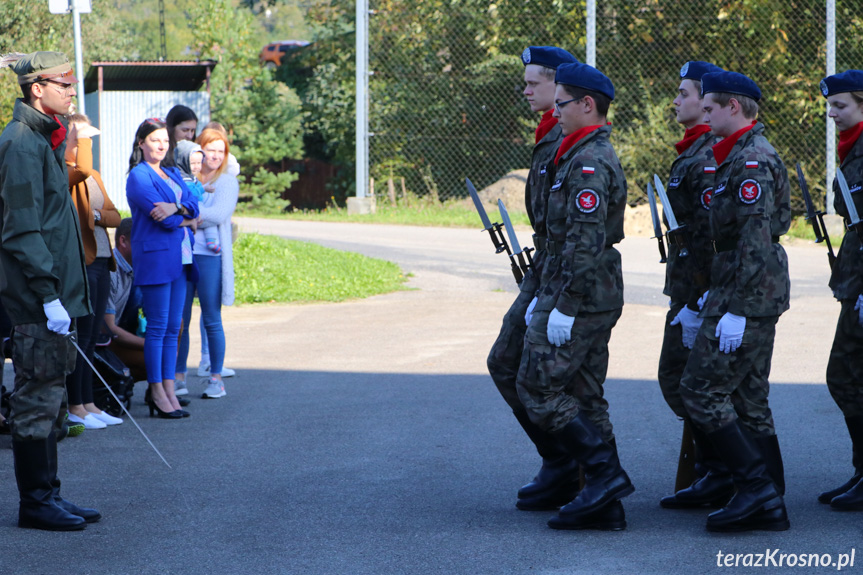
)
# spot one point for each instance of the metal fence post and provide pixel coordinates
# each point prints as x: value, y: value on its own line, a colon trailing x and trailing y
x: 831, y: 127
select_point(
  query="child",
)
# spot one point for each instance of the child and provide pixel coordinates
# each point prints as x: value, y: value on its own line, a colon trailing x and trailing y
x: 189, y: 159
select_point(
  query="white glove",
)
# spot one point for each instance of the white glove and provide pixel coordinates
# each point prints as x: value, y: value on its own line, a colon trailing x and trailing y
x: 729, y: 330
x: 703, y: 299
x: 859, y: 307
x: 689, y: 323
x: 58, y: 317
x: 559, y: 328
x: 529, y: 313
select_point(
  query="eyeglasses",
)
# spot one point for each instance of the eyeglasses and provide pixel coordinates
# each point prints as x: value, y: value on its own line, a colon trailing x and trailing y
x: 64, y: 88
x: 559, y: 105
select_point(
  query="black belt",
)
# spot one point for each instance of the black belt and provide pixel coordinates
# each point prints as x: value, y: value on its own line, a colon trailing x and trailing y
x: 728, y: 244
x: 540, y: 242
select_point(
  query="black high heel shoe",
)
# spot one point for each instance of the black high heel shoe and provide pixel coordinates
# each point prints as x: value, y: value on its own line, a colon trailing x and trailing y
x: 154, y: 409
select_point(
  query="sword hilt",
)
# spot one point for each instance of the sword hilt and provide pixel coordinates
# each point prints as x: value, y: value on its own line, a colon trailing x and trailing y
x: 497, y: 238
x: 681, y: 240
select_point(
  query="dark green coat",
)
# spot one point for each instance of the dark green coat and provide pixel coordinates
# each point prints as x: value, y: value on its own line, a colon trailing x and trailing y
x: 846, y: 281
x: 41, y: 256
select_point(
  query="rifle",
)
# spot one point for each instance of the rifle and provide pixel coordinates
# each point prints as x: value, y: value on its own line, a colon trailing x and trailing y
x: 495, y: 232
x: 816, y: 218
x: 521, y: 254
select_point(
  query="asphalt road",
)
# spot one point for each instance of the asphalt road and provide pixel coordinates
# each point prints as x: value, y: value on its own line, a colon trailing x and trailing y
x: 366, y: 437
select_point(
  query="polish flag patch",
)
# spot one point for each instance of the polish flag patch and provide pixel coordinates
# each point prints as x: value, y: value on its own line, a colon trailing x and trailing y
x: 709, y: 169
x: 588, y: 170
x: 752, y: 164
x: 587, y: 201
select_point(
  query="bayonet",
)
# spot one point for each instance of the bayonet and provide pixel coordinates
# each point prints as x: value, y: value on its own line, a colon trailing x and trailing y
x: 675, y: 231
x: 815, y: 217
x: 519, y: 253
x: 495, y: 230
x: 657, y: 226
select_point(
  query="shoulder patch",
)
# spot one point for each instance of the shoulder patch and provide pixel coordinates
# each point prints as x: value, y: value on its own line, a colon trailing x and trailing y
x: 588, y: 170
x: 674, y: 182
x: 750, y: 192
x: 709, y: 169
x: 855, y: 188
x: 556, y: 185
x: 752, y: 164
x: 706, y: 198
x: 587, y: 201
x: 721, y: 187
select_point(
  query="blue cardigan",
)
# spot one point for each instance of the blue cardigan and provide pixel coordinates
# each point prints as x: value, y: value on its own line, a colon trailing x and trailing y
x: 156, y: 246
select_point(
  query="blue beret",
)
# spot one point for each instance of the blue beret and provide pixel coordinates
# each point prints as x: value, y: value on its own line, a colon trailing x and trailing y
x: 695, y: 69
x: 730, y: 83
x: 547, y: 56
x: 847, y: 81
x: 584, y: 76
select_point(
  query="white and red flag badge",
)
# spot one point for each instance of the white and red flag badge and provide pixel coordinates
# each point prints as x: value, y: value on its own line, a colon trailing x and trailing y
x: 709, y: 169
x: 750, y: 191
x: 752, y: 164
x: 587, y: 201
x: 588, y: 170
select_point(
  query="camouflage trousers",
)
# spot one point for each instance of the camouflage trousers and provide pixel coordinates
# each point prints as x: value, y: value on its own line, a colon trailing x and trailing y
x: 845, y: 367
x: 718, y: 388
x: 42, y: 359
x: 555, y: 383
x: 505, y: 355
x: 672, y: 362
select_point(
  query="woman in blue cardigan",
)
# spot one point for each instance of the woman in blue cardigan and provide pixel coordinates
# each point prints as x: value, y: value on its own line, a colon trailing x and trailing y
x: 163, y: 211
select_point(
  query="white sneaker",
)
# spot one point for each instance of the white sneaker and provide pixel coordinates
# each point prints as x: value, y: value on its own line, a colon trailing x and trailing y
x: 215, y: 389
x: 204, y: 370
x: 89, y: 422
x: 180, y: 387
x: 107, y: 418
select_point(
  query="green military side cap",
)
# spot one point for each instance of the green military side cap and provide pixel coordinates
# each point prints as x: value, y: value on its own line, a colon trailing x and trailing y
x: 43, y: 66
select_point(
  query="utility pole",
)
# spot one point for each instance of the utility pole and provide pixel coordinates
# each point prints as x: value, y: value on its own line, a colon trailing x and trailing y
x: 162, y: 42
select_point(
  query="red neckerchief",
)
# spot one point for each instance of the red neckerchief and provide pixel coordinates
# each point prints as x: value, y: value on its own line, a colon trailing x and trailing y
x: 690, y: 136
x: 847, y: 139
x: 545, y: 125
x: 572, y: 139
x: 723, y: 148
x: 58, y: 135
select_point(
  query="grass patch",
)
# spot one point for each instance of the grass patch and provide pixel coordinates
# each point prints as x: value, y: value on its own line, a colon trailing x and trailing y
x: 801, y: 229
x: 451, y: 214
x: 272, y: 269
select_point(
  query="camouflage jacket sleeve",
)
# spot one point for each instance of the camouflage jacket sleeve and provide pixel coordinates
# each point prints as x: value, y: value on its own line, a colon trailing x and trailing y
x: 846, y: 278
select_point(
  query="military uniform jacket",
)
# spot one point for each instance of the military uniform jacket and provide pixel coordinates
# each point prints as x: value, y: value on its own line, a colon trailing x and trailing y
x: 584, y: 219
x: 846, y: 280
x: 41, y: 257
x: 690, y: 190
x: 536, y: 198
x: 750, y: 209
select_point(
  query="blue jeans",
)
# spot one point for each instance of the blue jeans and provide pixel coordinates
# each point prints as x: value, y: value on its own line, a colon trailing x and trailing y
x: 163, y: 307
x: 79, y: 383
x: 209, y: 288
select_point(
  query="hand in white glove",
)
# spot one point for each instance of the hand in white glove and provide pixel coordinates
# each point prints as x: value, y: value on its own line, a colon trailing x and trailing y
x: 559, y: 328
x: 703, y: 299
x: 58, y: 317
x: 729, y: 330
x: 529, y: 313
x: 689, y: 323
x: 859, y: 307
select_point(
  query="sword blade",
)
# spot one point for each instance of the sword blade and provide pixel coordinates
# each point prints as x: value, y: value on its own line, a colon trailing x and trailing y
x: 654, y: 213
x: 476, y: 202
x: 846, y: 195
x: 666, y: 205
x: 111, y: 391
x: 510, y: 231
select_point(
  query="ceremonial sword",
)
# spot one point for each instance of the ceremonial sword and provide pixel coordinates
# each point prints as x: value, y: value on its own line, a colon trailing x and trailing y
x: 657, y: 226
x: 72, y: 338
x: 849, y: 205
x: 521, y: 254
x: 816, y: 218
x: 495, y: 231
x: 675, y: 231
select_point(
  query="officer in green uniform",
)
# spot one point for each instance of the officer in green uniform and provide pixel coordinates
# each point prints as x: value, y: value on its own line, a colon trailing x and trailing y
x: 556, y: 483
x: 42, y: 282
x: 579, y: 300
x: 844, y: 93
x: 749, y: 289
x: 687, y: 275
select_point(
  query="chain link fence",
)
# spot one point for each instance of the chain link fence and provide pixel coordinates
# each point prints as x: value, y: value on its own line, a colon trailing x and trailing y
x: 446, y: 97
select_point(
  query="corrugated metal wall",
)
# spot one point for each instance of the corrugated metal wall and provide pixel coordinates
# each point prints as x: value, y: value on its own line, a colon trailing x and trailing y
x: 118, y: 115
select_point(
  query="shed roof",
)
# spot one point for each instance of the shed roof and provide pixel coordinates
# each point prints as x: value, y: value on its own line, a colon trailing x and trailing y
x: 183, y: 76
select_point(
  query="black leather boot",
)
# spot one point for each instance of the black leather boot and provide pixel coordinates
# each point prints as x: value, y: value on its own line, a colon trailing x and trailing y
x: 753, y: 505
x: 37, y: 508
x: 604, y: 479
x: 855, y: 430
x: 609, y: 518
x: 714, y: 488
x: 556, y: 483
x: 88, y: 515
x: 769, y: 446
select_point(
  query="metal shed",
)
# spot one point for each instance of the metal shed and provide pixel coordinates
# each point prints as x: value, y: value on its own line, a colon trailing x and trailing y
x: 121, y: 95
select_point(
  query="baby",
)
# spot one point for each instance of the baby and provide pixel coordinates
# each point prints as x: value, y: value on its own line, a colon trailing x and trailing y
x: 189, y: 160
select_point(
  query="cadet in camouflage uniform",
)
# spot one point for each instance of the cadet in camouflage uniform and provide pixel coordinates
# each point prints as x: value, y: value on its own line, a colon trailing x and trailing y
x: 687, y: 277
x: 556, y: 483
x: 43, y: 281
x: 579, y: 300
x: 844, y: 93
x: 749, y: 289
